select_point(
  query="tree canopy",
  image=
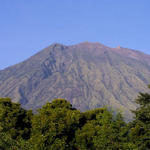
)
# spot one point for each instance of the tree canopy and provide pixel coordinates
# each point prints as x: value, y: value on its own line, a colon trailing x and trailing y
x: 59, y: 126
x: 140, y: 126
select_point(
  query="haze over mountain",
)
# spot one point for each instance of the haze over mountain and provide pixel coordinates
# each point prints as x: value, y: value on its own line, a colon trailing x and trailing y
x: 89, y: 75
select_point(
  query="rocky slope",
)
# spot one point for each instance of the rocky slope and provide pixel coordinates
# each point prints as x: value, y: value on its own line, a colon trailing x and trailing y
x: 89, y: 75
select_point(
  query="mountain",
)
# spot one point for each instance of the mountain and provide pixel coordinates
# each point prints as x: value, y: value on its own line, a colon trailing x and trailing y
x: 89, y: 75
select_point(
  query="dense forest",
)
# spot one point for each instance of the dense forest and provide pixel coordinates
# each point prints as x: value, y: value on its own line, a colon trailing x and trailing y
x: 59, y: 126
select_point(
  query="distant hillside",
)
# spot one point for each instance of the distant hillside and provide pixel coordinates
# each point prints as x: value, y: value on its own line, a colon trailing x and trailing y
x: 89, y: 75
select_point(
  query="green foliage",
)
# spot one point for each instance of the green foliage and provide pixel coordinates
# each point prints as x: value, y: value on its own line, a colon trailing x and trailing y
x: 59, y: 126
x: 55, y: 126
x: 112, y: 134
x: 140, y: 127
x: 88, y: 130
x: 103, y: 131
x: 15, y: 124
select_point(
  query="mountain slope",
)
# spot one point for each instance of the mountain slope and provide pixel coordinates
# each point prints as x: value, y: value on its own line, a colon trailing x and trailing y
x: 90, y: 75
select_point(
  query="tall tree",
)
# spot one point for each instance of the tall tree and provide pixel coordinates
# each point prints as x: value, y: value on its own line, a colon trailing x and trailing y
x: 140, y: 127
x: 15, y: 124
x: 54, y: 126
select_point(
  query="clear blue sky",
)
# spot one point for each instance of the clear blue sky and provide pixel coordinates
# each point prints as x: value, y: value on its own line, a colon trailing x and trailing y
x: 27, y: 26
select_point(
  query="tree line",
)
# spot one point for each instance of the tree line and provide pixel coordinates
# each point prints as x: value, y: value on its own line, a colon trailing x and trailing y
x: 59, y: 126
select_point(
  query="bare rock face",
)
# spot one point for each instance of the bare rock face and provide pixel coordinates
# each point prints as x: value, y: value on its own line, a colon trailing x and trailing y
x: 89, y: 75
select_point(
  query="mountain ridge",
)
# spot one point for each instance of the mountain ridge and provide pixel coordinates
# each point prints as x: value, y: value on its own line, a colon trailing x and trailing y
x: 81, y: 43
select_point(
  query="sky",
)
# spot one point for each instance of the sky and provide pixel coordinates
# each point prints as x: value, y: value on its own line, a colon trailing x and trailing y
x: 27, y: 26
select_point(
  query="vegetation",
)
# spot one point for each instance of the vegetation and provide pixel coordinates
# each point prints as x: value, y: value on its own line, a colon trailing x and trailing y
x: 59, y: 126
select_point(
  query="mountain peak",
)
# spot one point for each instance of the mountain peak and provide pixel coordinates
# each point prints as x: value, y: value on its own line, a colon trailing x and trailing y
x: 87, y: 43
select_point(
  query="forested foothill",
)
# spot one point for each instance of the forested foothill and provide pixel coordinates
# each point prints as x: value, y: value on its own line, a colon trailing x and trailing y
x: 59, y: 126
